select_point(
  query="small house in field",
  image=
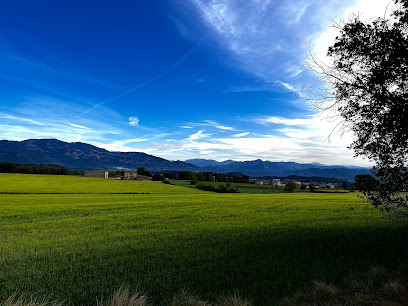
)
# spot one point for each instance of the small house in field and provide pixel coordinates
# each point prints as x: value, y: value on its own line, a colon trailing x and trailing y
x: 129, y: 174
x: 97, y: 173
x: 276, y: 182
x: 132, y: 175
x: 262, y: 182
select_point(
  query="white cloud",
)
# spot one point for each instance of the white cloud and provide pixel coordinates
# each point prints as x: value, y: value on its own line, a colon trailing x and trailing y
x: 284, y: 121
x: 200, y: 134
x: 15, y: 118
x: 241, y: 134
x: 286, y: 85
x: 367, y: 9
x: 299, y: 140
x: 78, y: 126
x: 134, y: 121
x: 218, y: 126
x: 206, y: 152
x: 186, y: 127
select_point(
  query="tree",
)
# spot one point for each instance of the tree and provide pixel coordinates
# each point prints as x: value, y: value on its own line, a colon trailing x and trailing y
x: 344, y: 185
x: 201, y: 176
x: 141, y: 171
x: 366, y: 85
x: 365, y: 182
x: 303, y: 186
x: 193, y: 179
x: 290, y: 187
x: 183, y: 175
x: 158, y: 177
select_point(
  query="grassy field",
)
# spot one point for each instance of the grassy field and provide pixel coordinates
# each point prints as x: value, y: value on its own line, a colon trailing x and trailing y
x: 80, y: 246
x: 39, y: 183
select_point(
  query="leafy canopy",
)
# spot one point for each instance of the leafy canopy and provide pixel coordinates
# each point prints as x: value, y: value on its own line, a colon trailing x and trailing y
x: 367, y: 87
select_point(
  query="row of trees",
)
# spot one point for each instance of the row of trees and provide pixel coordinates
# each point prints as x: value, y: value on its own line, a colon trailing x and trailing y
x: 6, y: 167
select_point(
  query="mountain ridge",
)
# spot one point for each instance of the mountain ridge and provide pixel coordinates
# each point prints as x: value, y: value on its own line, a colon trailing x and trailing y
x: 83, y: 156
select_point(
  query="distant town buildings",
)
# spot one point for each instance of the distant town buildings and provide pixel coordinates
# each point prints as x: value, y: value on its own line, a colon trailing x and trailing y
x: 261, y: 182
x: 129, y: 174
x: 97, y: 173
x: 132, y: 175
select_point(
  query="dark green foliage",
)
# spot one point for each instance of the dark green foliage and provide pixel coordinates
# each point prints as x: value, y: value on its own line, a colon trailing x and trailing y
x: 143, y: 171
x: 158, y: 177
x: 171, y: 176
x: 184, y: 175
x: 344, y: 185
x: 290, y: 187
x: 303, y: 186
x: 312, y: 188
x: 367, y: 86
x: 6, y: 167
x: 115, y: 173
x: 241, y: 179
x: 166, y: 182
x: 219, y: 189
x: 193, y: 179
x: 365, y: 182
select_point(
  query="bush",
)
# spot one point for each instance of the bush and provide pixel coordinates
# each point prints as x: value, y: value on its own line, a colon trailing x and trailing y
x: 290, y: 187
x: 219, y: 189
x: 157, y: 177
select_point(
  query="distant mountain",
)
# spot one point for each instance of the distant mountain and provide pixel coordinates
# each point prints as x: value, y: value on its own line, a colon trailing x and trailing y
x: 260, y: 168
x: 83, y: 156
x: 205, y: 163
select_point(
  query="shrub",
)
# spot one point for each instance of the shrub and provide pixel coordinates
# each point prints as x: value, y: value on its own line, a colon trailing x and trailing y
x: 219, y: 189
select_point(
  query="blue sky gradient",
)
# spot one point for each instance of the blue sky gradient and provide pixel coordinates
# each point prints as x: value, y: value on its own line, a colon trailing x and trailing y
x: 177, y: 79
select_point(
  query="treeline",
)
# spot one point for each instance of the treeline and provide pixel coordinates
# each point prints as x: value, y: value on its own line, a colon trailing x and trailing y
x: 6, y: 167
x: 219, y: 189
x: 207, y: 177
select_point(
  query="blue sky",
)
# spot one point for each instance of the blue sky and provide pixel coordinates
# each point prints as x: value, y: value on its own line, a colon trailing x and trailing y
x: 177, y: 79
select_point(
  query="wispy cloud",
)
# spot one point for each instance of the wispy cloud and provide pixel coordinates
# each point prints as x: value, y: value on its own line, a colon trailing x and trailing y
x: 208, y: 123
x: 284, y: 121
x: 241, y: 134
x: 134, y: 121
x: 15, y: 118
x: 78, y: 126
x: 218, y: 126
x: 199, y: 135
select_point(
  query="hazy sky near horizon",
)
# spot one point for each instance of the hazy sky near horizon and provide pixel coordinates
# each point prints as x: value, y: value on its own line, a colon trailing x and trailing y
x: 178, y: 79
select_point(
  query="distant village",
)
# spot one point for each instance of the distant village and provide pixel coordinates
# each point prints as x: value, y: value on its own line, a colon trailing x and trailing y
x: 142, y: 175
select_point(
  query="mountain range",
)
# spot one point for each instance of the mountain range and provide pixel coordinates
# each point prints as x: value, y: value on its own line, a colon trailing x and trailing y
x: 82, y: 156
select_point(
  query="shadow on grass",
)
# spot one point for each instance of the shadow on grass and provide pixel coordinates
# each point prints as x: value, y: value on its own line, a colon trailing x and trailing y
x: 262, y: 264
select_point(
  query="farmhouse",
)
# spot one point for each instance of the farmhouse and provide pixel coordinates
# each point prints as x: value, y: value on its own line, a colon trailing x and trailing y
x: 129, y: 174
x: 132, y: 175
x: 261, y: 182
x: 276, y: 182
x: 97, y: 173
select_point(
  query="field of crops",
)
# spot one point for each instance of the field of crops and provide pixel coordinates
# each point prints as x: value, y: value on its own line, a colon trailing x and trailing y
x: 78, y: 247
x: 37, y: 183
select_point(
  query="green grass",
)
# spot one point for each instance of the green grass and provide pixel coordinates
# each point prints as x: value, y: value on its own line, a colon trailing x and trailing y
x: 243, y: 188
x: 78, y: 247
x: 37, y: 183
